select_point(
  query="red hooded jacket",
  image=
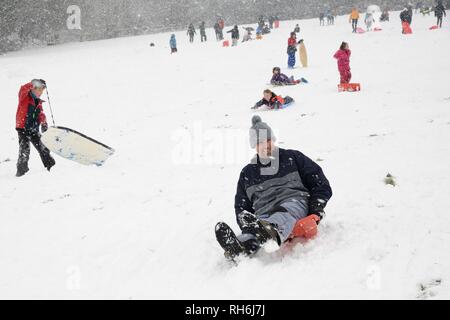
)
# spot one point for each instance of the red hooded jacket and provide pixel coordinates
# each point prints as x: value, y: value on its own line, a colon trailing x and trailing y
x: 343, y: 59
x: 29, y: 111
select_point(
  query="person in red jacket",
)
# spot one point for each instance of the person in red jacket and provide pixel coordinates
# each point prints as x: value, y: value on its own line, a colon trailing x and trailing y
x: 292, y: 49
x: 29, y: 117
x: 343, y: 60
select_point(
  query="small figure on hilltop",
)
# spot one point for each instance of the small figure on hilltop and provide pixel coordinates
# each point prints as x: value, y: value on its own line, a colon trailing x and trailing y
x: 343, y: 61
x: 248, y: 34
x: 191, y: 32
x: 369, y: 21
x: 354, y: 17
x: 384, y: 16
x: 234, y: 35
x: 439, y: 12
x: 219, y: 31
x: 322, y: 19
x: 297, y: 28
x: 202, y: 31
x: 173, y: 44
x: 405, y: 18
x: 273, y: 101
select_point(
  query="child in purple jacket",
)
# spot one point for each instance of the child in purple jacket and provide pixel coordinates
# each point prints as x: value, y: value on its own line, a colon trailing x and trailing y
x: 280, y: 79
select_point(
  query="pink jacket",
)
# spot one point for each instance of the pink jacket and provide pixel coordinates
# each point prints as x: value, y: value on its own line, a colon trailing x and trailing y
x: 343, y: 59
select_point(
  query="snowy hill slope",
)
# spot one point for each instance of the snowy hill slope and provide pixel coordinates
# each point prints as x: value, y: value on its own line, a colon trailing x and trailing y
x: 142, y: 225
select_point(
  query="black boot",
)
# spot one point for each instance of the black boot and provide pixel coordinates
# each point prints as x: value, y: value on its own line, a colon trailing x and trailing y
x: 228, y: 241
x: 263, y: 230
x: 21, y: 171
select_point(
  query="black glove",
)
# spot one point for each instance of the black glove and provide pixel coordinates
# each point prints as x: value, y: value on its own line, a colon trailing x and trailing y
x: 44, y: 127
x: 317, y: 207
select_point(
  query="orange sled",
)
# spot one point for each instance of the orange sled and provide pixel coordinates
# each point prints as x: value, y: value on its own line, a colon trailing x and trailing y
x: 349, y: 87
x: 306, y: 227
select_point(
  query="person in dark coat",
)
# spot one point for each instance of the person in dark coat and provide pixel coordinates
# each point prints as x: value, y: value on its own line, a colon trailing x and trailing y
x: 191, y: 32
x: 439, y: 12
x: 273, y: 101
x: 30, y: 115
x: 218, y: 31
x: 271, y: 21
x: 281, y: 193
x: 297, y: 28
x: 234, y: 35
x: 202, y: 32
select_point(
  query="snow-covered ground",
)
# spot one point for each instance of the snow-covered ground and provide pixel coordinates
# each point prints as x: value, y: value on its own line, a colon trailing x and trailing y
x: 142, y: 226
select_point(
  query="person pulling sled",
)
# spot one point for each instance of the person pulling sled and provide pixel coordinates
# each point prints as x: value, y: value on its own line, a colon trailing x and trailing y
x: 280, y: 192
x: 29, y: 117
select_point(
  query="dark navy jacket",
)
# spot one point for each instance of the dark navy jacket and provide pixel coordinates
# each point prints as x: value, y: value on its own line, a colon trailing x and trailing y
x: 289, y: 175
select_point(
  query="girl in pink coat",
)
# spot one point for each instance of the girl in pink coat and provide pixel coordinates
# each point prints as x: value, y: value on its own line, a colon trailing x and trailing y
x: 343, y: 60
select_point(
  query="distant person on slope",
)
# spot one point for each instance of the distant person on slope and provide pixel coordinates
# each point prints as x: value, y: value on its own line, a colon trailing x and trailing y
x: 369, y: 21
x: 354, y: 17
x: 297, y: 28
x: 30, y: 115
x: 173, y: 44
x: 218, y: 31
x: 202, y: 32
x: 343, y: 60
x: 405, y: 18
x: 292, y: 49
x: 278, y: 189
x: 280, y: 79
x: 271, y: 100
x: 439, y: 12
x: 191, y: 32
x: 234, y: 35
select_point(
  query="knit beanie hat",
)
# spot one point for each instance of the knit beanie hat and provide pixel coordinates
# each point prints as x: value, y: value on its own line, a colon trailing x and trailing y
x: 259, y: 132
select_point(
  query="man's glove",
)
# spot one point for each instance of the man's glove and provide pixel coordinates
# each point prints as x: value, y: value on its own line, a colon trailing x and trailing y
x: 44, y: 127
x: 317, y: 207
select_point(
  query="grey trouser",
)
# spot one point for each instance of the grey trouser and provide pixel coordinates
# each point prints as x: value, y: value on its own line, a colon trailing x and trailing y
x: 284, y: 221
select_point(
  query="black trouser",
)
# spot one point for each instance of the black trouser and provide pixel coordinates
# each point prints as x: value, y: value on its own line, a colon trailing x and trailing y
x: 24, y: 150
x: 354, y: 24
x: 191, y: 38
x: 203, y: 37
x: 439, y: 21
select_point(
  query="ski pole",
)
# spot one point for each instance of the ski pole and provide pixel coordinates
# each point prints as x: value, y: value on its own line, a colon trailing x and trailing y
x: 49, y: 104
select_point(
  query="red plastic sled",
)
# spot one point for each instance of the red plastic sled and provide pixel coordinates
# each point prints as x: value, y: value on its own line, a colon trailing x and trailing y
x: 433, y: 28
x: 406, y: 28
x: 306, y: 227
x: 349, y: 87
x: 360, y: 30
x: 277, y: 24
x: 226, y: 43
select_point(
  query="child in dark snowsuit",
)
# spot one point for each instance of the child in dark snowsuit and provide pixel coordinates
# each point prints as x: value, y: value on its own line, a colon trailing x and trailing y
x: 202, y: 32
x: 280, y: 79
x: 343, y: 60
x: 234, y: 35
x: 191, y: 32
x: 273, y: 101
